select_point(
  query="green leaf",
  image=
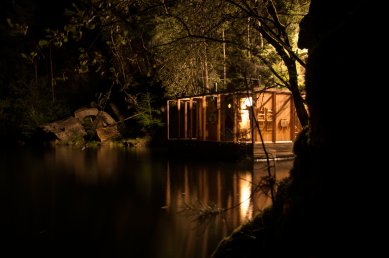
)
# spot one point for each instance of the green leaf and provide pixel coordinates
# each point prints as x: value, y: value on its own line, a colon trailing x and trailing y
x: 43, y: 43
x: 92, y: 26
x: 10, y: 24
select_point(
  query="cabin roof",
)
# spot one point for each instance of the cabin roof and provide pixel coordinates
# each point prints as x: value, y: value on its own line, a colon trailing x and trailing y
x: 236, y: 92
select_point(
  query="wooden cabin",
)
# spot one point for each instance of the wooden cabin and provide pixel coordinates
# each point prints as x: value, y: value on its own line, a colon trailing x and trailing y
x: 236, y: 121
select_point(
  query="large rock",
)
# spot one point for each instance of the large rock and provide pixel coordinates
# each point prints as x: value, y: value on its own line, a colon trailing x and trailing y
x: 81, y: 113
x: 72, y: 130
x: 108, y: 133
x: 69, y: 130
x: 104, y: 119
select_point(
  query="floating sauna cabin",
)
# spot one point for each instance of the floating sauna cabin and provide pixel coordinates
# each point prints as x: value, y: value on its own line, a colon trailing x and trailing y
x: 234, y: 124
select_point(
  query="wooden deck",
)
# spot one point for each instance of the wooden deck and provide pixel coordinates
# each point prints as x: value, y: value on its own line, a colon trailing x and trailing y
x: 230, y: 150
x: 232, y: 125
x: 280, y: 150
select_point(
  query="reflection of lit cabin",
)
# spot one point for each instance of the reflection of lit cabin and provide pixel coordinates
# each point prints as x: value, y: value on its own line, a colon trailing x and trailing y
x: 225, y: 119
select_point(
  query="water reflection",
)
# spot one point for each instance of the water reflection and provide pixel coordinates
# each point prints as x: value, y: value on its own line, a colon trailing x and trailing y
x: 245, y: 196
x: 114, y: 202
x: 193, y: 189
x: 89, y: 166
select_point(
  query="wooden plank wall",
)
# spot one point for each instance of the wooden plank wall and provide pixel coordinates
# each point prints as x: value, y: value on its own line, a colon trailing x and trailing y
x: 283, y: 118
x: 217, y: 117
x: 264, y: 107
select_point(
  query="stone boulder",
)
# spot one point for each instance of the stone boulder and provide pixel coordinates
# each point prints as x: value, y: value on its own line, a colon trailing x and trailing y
x: 73, y: 129
x: 108, y: 133
x: 81, y: 113
x: 69, y: 130
x: 104, y: 119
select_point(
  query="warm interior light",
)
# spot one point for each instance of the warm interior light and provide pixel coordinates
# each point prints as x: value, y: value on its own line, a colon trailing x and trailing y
x: 244, y: 124
x: 247, y: 102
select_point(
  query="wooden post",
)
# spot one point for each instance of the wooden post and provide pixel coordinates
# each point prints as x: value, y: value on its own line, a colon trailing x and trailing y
x: 254, y: 117
x: 218, y: 117
x: 191, y: 118
x: 204, y: 129
x: 200, y: 119
x: 252, y: 121
x: 252, y: 127
x: 274, y: 125
x: 185, y: 119
x: 292, y: 119
x: 236, y: 109
x: 179, y: 118
x: 168, y: 119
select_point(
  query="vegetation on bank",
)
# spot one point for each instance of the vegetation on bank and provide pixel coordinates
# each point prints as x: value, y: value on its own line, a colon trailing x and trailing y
x: 259, y: 235
x: 127, y: 57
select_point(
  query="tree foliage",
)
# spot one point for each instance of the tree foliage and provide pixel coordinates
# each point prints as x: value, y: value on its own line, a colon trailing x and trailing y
x: 135, y: 53
x: 236, y: 42
x: 25, y: 92
x: 113, y: 39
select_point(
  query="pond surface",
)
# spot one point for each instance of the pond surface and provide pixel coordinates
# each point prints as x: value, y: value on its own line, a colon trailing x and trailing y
x: 117, y: 202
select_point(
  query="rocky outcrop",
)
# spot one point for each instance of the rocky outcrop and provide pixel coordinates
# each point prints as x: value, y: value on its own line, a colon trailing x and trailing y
x: 69, y: 131
x: 86, y: 121
x: 82, y: 113
x: 108, y: 133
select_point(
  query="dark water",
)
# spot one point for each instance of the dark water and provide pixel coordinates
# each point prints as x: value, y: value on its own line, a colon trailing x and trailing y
x: 113, y: 202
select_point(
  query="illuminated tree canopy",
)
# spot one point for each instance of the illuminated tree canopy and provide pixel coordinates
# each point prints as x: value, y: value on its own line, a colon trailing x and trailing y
x: 134, y: 54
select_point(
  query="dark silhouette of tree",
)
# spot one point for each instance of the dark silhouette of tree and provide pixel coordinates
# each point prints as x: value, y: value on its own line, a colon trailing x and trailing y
x: 332, y: 205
